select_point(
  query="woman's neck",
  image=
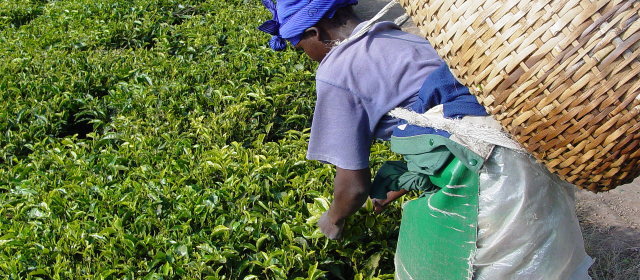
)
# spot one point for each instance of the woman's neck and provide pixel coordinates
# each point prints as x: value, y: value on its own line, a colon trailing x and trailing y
x: 343, y: 32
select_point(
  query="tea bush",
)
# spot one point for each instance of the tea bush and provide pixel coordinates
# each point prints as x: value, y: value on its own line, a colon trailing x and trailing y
x: 162, y: 139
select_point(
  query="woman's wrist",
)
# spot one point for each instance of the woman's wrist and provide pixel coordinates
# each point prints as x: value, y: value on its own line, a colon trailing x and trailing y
x: 333, y: 217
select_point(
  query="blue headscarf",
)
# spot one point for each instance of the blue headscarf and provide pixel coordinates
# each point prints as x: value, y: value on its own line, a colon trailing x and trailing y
x: 292, y: 17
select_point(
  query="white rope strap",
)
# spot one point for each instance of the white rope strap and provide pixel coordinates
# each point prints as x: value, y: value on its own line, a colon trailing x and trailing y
x: 374, y: 19
x: 470, y: 132
x: 401, y: 19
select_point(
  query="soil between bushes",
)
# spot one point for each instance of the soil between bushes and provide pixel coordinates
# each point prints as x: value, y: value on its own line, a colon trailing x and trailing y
x: 616, y: 212
x: 611, y: 228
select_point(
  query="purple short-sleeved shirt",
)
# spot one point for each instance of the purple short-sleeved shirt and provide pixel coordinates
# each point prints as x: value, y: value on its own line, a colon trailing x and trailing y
x: 357, y: 84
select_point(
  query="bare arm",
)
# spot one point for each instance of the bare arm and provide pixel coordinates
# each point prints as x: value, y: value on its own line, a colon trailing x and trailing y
x: 351, y: 189
x: 379, y: 204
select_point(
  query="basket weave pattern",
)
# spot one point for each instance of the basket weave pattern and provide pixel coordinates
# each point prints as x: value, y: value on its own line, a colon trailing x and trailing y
x: 562, y: 76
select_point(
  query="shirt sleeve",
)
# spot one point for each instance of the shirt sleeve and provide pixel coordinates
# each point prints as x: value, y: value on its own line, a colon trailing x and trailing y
x: 340, y: 132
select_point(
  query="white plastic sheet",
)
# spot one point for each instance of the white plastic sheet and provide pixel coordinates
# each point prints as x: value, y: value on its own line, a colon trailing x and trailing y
x: 527, y: 224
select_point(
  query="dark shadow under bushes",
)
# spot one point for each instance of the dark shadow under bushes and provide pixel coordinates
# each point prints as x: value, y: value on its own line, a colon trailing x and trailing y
x: 76, y: 124
x: 134, y: 37
x: 20, y: 17
x: 182, y: 13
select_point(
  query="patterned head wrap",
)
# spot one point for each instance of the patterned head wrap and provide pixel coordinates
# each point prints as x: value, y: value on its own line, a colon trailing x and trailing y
x: 292, y: 17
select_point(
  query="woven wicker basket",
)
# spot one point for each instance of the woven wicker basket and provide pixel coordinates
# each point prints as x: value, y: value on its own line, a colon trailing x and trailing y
x: 562, y: 76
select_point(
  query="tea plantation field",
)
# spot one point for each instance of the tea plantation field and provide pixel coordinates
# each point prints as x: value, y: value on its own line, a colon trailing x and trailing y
x: 162, y: 139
